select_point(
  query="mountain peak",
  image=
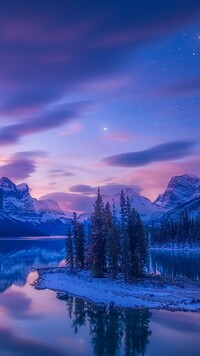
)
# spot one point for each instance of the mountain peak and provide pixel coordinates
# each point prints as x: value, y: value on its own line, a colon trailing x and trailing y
x: 7, y: 184
x: 179, y: 190
x: 23, y: 187
x: 185, y: 177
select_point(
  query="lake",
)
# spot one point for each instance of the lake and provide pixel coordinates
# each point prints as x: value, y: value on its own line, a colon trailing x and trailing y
x: 35, y: 322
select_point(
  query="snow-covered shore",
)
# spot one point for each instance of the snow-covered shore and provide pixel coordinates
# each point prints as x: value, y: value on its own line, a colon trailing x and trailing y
x: 154, y: 292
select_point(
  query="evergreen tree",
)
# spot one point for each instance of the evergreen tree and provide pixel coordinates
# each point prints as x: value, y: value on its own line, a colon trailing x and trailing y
x: 182, y: 232
x: 75, y: 238
x: 108, y: 225
x: 96, y: 254
x: 79, y: 242
x: 80, y: 247
x: 1, y: 199
x: 125, y: 245
x: 112, y: 241
x: 69, y: 250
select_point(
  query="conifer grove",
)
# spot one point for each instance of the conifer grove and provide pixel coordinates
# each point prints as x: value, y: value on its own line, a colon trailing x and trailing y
x: 116, y: 242
x: 184, y: 231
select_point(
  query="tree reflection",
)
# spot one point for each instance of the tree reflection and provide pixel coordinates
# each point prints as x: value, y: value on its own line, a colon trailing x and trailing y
x: 113, y: 331
x: 176, y: 263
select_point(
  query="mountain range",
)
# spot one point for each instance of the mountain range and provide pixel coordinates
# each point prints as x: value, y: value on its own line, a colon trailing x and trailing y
x: 22, y: 215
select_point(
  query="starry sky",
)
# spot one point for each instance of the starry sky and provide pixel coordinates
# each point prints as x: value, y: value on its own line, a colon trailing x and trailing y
x: 98, y: 93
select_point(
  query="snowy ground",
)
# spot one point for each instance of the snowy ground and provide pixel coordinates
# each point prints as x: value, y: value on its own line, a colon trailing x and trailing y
x: 154, y: 292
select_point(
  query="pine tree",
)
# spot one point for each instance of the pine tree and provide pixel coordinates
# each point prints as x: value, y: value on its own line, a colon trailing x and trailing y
x: 112, y: 241
x: 75, y: 237
x: 96, y: 255
x: 107, y: 227
x: 125, y: 245
x: 80, y: 246
x: 141, y: 245
x: 69, y: 250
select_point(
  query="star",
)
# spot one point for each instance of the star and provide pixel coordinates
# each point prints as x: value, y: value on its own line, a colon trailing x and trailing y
x: 105, y: 129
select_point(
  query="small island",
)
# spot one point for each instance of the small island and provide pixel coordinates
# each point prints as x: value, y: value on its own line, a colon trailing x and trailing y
x: 110, y: 265
x: 153, y: 292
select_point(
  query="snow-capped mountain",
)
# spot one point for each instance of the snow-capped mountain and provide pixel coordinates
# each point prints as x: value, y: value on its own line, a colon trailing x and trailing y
x: 23, y: 215
x: 19, y: 258
x: 180, y: 189
x: 143, y: 205
x: 17, y: 203
x: 192, y: 207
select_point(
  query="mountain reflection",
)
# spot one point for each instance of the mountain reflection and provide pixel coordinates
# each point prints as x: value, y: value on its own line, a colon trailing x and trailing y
x: 19, y: 257
x: 113, y: 331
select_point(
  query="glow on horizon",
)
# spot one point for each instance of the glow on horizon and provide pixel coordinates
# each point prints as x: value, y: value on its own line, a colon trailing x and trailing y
x: 81, y: 83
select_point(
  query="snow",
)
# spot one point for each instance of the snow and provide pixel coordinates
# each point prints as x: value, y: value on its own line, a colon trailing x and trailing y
x: 179, y: 190
x: 154, y: 292
x: 23, y: 187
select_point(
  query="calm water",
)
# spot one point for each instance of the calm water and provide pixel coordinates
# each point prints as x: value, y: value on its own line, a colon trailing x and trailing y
x: 35, y: 322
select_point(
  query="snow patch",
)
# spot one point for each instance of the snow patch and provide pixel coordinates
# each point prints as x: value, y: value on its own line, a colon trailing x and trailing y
x: 153, y: 292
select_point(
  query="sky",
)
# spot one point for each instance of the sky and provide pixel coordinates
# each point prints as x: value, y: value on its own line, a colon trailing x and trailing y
x: 99, y: 93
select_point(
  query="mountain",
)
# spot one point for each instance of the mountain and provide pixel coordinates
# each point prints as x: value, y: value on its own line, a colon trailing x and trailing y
x: 19, y: 258
x: 180, y: 190
x: 143, y: 205
x: 182, y: 193
x: 22, y: 215
x: 41, y: 217
x: 10, y: 227
x: 192, y: 207
x: 17, y: 202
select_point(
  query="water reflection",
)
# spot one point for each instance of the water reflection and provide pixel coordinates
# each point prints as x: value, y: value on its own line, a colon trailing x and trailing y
x: 34, y: 322
x: 113, y: 331
x: 11, y: 344
x: 18, y: 258
x: 176, y: 263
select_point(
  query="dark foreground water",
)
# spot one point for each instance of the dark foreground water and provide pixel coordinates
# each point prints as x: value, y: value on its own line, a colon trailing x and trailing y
x: 36, y: 323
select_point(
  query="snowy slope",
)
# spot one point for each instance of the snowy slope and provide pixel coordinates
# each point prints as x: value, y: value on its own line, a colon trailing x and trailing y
x: 17, y: 203
x: 180, y: 189
x: 143, y: 205
x: 192, y: 207
x: 182, y: 192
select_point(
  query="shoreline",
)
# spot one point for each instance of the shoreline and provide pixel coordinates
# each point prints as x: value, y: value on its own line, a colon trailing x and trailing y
x: 179, y: 249
x: 152, y: 292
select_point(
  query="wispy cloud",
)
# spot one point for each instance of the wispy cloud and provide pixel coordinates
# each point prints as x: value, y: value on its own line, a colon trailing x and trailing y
x: 59, y: 173
x: 160, y: 153
x: 46, y: 120
x: 21, y: 165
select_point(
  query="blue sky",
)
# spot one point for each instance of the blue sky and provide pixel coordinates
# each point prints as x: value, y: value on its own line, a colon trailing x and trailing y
x: 99, y: 93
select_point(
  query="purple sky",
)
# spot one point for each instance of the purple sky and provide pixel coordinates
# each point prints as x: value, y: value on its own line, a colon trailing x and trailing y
x: 99, y: 93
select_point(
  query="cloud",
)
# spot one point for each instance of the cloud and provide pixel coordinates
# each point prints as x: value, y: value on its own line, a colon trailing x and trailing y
x: 82, y: 197
x: 117, y: 136
x: 49, y: 119
x: 16, y: 303
x: 21, y: 165
x: 24, y: 346
x: 46, y: 50
x: 60, y: 173
x: 82, y: 188
x: 71, y: 202
x: 188, y: 87
x: 154, y: 178
x: 160, y: 153
x: 107, y: 189
x: 28, y: 100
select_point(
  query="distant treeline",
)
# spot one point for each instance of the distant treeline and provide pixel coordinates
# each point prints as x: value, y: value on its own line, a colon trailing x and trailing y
x: 113, y: 245
x: 185, y: 231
